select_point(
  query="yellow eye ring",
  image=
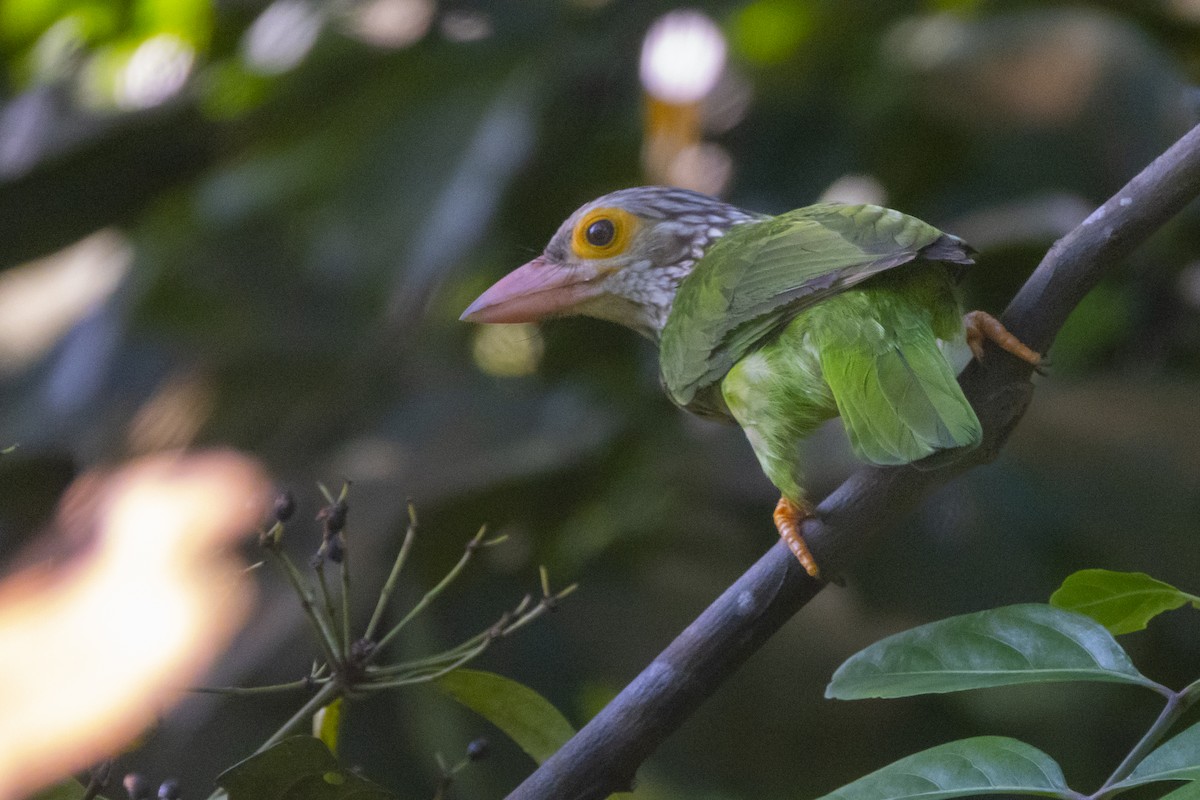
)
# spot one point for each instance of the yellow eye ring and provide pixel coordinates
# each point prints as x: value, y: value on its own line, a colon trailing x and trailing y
x: 603, y: 233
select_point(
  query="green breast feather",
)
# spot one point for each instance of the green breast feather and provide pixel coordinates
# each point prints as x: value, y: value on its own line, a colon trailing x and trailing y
x: 757, y: 277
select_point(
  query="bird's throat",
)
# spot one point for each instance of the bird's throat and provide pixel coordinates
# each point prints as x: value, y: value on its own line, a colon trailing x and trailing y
x: 639, y: 298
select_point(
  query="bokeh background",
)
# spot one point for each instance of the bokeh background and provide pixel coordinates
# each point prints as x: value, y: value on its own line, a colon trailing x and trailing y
x: 255, y: 224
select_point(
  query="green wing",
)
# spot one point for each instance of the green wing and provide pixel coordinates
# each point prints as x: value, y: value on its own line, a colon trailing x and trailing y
x: 897, y: 395
x: 761, y: 274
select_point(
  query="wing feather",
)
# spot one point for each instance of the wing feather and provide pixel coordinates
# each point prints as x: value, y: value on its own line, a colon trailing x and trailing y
x: 761, y: 274
x: 899, y: 402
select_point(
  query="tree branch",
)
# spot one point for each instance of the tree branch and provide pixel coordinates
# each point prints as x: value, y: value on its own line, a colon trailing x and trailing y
x: 603, y: 757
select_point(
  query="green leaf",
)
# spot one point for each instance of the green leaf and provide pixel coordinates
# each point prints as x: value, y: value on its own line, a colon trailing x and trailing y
x: 983, y: 765
x: 1123, y: 602
x: 524, y: 715
x: 1189, y: 791
x: 1176, y: 760
x: 1017, y: 644
x: 298, y: 768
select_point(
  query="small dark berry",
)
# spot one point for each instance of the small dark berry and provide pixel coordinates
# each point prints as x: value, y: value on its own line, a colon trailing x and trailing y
x: 169, y: 790
x: 478, y: 750
x: 137, y: 787
x: 285, y: 505
x: 335, y: 550
x: 335, y: 517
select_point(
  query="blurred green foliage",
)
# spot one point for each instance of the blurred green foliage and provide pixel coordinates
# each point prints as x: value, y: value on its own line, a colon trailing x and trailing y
x: 300, y: 199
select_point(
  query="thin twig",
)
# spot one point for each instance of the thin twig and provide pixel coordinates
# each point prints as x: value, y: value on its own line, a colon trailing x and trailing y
x: 325, y: 637
x: 510, y: 621
x: 1166, y: 719
x: 389, y: 587
x: 431, y: 661
x: 349, y: 677
x: 303, y: 683
x: 1177, y: 704
x: 344, y: 564
x: 326, y: 596
x: 433, y: 593
x: 425, y: 676
x: 327, y: 694
x: 604, y: 755
x: 344, y: 568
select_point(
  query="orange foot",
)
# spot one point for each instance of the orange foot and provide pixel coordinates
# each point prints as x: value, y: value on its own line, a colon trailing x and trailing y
x: 788, y: 516
x: 981, y: 325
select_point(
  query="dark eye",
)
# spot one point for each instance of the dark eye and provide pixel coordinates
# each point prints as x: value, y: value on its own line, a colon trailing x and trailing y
x: 601, y: 232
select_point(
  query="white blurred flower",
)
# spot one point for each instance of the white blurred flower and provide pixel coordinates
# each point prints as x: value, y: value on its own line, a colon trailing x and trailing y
x: 683, y: 56
x: 281, y: 36
x: 156, y: 71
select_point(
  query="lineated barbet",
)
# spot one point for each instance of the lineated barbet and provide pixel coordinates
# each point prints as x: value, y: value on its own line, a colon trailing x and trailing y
x: 777, y: 323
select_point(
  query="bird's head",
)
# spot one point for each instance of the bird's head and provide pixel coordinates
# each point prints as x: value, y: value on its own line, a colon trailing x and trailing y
x: 620, y: 257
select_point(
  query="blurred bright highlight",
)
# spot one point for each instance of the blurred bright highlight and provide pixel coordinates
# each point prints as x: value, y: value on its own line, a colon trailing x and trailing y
x: 682, y: 57
x: 466, y: 26
x: 703, y: 167
x: 1184, y: 9
x: 94, y: 649
x: 173, y: 415
x: 281, y: 36
x: 156, y: 71
x: 855, y: 189
x: 41, y: 300
x: 57, y: 48
x: 771, y: 31
x: 508, y: 351
x: 391, y: 23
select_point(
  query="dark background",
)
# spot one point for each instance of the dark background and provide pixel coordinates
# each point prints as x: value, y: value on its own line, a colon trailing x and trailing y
x: 287, y: 237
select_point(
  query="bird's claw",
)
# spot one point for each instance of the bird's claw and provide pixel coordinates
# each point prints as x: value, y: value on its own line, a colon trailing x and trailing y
x: 788, y: 518
x: 982, y: 326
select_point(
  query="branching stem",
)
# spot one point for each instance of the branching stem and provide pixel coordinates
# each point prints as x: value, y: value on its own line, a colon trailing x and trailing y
x: 426, y: 676
x: 433, y: 593
x: 238, y: 691
x: 349, y: 662
x: 326, y: 695
x: 389, y: 587
x: 1177, y: 703
x: 322, y: 628
x: 327, y: 597
x: 344, y: 568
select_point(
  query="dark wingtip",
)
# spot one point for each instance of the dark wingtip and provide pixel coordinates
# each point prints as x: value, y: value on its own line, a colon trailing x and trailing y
x: 950, y: 249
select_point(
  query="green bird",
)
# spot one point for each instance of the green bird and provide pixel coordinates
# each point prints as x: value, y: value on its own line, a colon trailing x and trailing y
x: 775, y: 323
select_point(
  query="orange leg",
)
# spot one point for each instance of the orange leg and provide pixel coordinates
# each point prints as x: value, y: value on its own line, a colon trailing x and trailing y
x: 788, y: 516
x: 982, y: 325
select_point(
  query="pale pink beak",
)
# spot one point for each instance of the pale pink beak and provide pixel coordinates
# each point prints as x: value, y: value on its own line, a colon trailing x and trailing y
x: 533, y: 291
